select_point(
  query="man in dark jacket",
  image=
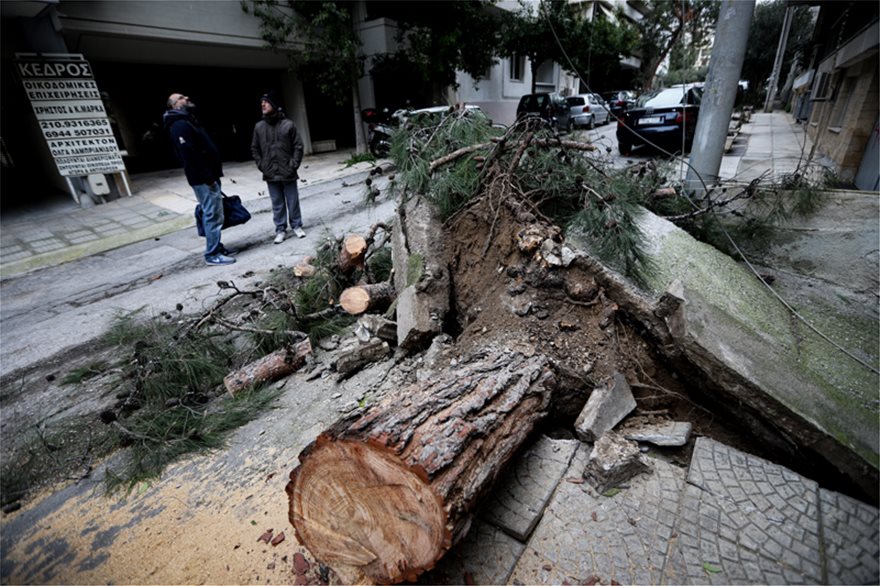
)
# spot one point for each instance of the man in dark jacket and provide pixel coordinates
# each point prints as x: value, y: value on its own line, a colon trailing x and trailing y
x: 203, y: 168
x: 278, y: 150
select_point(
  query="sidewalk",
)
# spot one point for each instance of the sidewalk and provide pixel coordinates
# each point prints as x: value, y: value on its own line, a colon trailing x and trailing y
x: 59, y: 230
x: 770, y: 143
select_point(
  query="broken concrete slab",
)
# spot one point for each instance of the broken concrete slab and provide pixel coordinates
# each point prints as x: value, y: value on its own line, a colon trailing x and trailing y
x: 524, y: 490
x: 668, y: 433
x: 608, y: 404
x: 420, y: 278
x: 613, y: 461
x: 796, y: 391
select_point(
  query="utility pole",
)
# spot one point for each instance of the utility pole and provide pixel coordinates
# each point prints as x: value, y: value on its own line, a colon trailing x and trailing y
x: 777, y: 63
x: 719, y: 93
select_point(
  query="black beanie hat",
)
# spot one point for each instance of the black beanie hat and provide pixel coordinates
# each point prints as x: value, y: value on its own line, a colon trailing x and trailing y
x: 272, y: 98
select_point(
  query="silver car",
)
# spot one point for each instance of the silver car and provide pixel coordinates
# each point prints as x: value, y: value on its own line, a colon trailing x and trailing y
x: 588, y: 110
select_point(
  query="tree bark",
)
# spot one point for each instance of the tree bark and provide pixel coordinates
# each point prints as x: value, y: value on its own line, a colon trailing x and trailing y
x: 383, y: 494
x: 362, y: 298
x: 269, y: 368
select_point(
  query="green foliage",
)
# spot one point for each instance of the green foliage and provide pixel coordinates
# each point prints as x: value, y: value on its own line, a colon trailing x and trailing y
x: 764, y: 35
x: 380, y: 264
x: 327, y: 49
x: 440, y: 38
x: 168, y: 388
x: 569, y: 187
x: 59, y: 450
x: 539, y: 32
x: 595, y: 48
x: 745, y: 214
x: 360, y: 158
x: 668, y: 23
x: 161, y: 435
x: 78, y: 375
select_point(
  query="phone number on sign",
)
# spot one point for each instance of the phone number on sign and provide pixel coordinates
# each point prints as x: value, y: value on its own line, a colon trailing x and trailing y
x: 76, y: 133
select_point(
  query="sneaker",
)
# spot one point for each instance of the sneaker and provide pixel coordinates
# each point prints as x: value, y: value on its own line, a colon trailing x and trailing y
x: 219, y: 259
x: 279, y: 237
x: 229, y: 251
x: 298, y: 232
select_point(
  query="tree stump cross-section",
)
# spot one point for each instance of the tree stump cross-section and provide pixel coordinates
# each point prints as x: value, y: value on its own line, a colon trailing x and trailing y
x: 381, y: 495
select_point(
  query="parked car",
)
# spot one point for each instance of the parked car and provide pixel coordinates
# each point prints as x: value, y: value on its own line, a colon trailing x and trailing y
x: 548, y: 105
x: 619, y: 101
x: 666, y: 117
x: 588, y: 110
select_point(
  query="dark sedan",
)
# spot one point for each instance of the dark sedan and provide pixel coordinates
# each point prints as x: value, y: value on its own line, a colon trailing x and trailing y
x: 667, y: 118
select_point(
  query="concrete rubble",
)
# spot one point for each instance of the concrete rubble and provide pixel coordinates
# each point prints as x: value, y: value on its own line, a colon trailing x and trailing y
x: 613, y: 461
x: 668, y: 433
x: 608, y: 404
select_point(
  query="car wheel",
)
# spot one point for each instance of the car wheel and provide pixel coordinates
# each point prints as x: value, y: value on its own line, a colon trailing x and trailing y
x: 592, y: 123
x: 570, y: 125
x: 625, y: 148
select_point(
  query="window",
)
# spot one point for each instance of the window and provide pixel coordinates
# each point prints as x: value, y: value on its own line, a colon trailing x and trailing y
x: 545, y: 73
x: 517, y: 65
x: 822, y: 89
x: 844, y: 97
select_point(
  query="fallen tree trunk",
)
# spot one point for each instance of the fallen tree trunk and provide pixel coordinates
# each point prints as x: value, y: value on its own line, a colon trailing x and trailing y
x: 383, y: 494
x: 269, y: 368
x: 362, y: 298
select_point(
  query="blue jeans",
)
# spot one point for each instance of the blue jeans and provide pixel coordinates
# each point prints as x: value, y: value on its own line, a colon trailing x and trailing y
x: 211, y: 199
x: 285, y: 204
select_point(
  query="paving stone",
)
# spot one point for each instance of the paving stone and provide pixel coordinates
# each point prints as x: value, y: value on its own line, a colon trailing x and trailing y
x: 851, y: 531
x: 669, y: 433
x: 624, y: 537
x: 775, y: 528
x: 523, y: 491
x: 486, y: 555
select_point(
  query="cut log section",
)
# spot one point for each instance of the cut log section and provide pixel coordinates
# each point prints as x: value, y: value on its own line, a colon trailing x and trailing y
x: 352, y: 254
x: 269, y: 368
x: 383, y: 494
x: 362, y: 298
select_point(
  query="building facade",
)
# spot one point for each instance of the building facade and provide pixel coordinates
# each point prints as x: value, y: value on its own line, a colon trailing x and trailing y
x: 838, y: 93
x: 141, y: 51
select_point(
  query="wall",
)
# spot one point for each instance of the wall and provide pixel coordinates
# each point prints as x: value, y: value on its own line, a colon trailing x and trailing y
x: 842, y: 125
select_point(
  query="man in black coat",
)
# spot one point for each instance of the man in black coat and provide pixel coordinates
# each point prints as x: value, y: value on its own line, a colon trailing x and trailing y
x: 203, y: 167
x: 278, y: 150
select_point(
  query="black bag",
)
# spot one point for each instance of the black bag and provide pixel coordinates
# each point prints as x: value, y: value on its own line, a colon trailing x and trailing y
x: 234, y: 213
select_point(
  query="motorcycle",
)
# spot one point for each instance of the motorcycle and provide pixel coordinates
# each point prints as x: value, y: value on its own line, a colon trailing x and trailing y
x: 379, y: 125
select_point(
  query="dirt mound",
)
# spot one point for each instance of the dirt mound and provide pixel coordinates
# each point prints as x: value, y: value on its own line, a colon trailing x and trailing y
x: 502, y: 295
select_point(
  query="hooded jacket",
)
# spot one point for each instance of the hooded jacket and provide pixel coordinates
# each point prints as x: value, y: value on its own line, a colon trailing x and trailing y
x: 201, y: 158
x: 277, y: 148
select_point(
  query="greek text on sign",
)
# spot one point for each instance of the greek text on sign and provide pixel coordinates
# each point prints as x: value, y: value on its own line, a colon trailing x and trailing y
x: 61, y: 84
x: 72, y: 109
x: 55, y: 69
x: 70, y: 112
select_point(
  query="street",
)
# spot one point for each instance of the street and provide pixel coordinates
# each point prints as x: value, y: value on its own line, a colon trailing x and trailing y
x: 58, y: 308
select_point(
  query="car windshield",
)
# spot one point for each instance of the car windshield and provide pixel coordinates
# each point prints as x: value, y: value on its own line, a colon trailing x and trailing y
x: 669, y: 97
x: 575, y: 101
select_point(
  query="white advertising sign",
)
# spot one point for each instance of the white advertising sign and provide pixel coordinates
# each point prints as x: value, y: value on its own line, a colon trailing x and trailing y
x: 71, y: 115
